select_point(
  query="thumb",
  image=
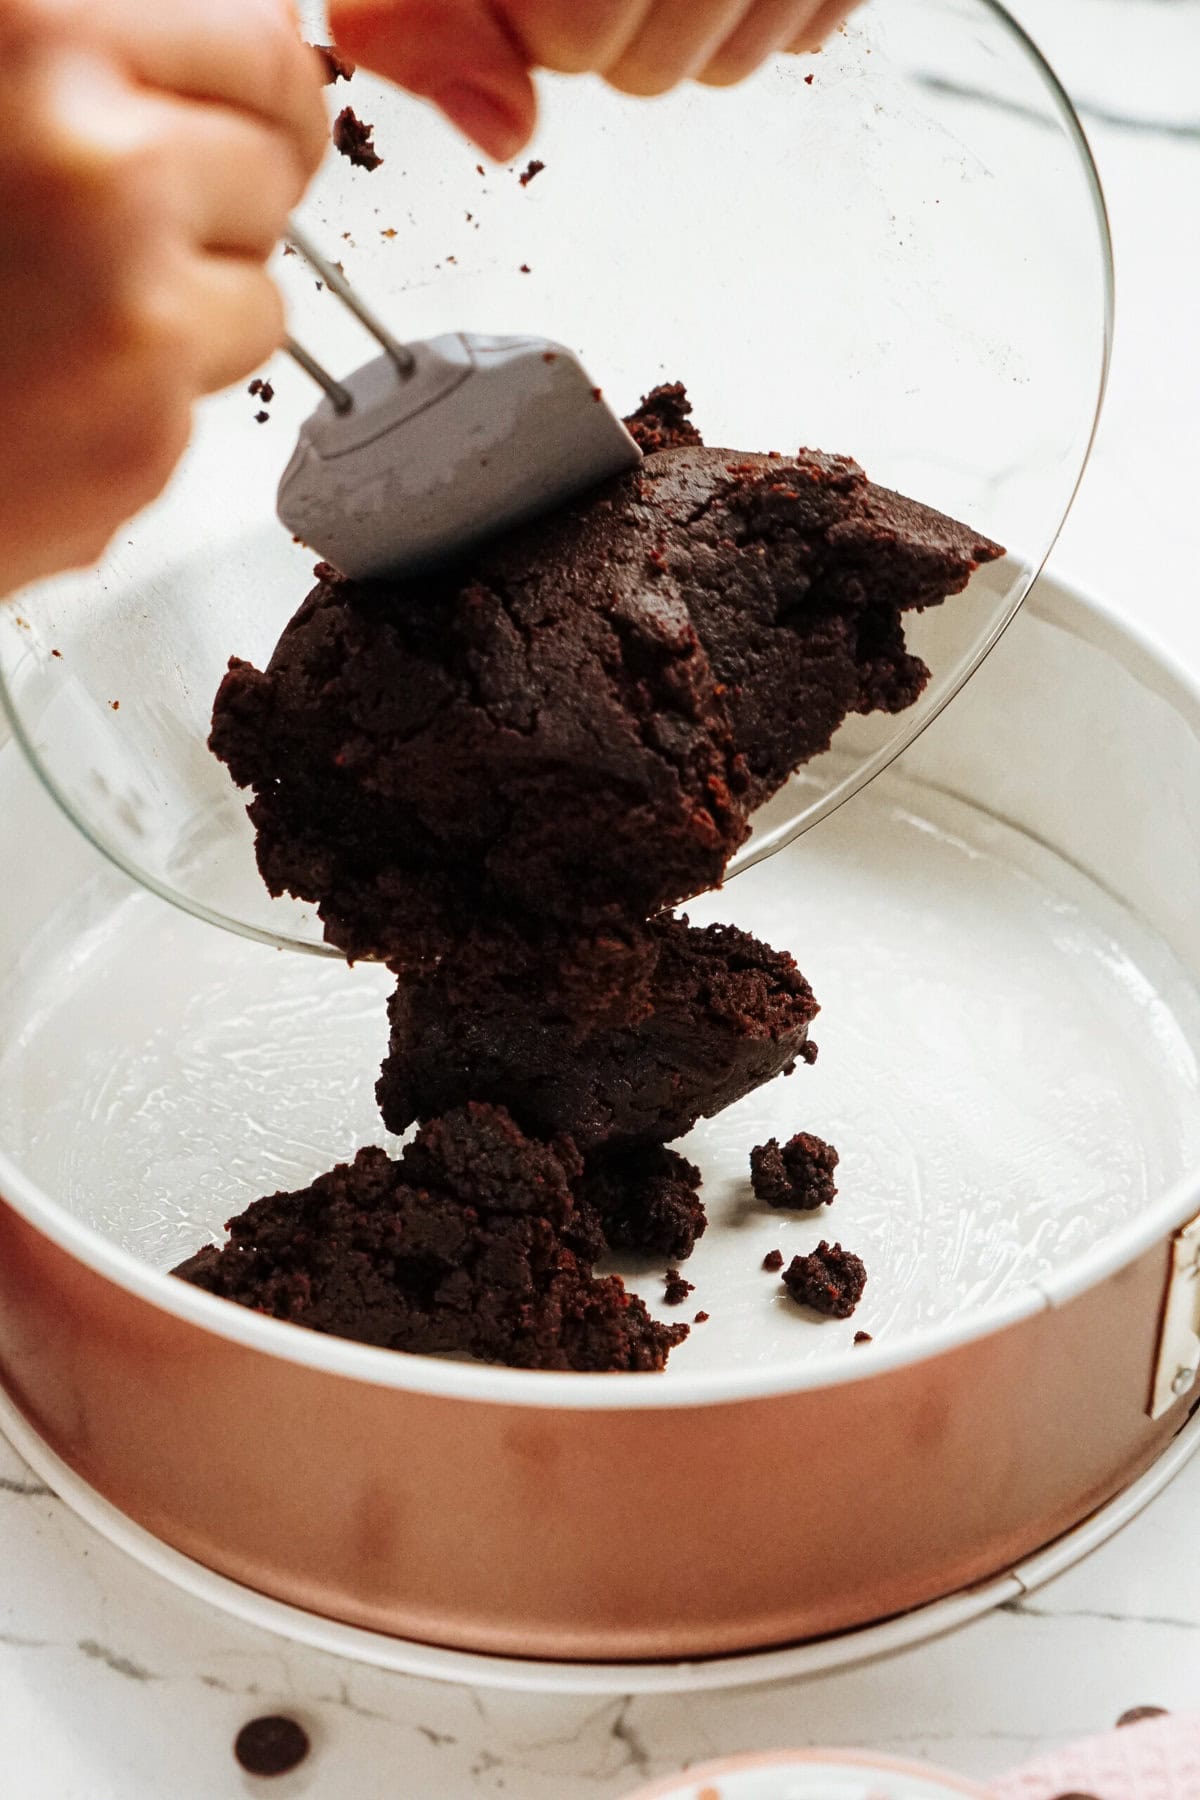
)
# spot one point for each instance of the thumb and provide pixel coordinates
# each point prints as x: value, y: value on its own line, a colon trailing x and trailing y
x: 453, y: 52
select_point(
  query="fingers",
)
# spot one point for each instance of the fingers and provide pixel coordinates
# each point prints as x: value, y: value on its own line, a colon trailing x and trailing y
x: 473, y: 58
x: 769, y: 26
x: 91, y: 441
x: 237, y: 316
x: 223, y: 210
x: 244, y: 54
x: 89, y: 155
x: 146, y: 170
x: 574, y: 38
x: 456, y: 53
x: 675, y: 42
x: 92, y: 451
x: 822, y: 24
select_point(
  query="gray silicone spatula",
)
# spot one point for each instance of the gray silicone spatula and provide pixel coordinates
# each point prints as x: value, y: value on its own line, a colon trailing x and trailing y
x: 433, y: 446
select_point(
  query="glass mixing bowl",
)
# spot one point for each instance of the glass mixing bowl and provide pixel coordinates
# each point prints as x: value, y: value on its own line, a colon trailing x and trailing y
x: 896, y: 249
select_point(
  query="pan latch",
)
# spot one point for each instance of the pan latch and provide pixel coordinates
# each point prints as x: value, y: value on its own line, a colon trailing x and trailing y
x: 1179, y: 1339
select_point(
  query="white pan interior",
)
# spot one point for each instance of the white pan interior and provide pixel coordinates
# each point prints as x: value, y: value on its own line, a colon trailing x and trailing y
x: 1009, y: 1036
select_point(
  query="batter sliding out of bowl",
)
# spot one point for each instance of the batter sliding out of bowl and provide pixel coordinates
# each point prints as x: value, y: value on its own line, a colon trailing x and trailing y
x: 502, y: 776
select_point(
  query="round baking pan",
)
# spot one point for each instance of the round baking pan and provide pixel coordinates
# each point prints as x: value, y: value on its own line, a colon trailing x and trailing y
x: 513, y: 1674
x: 1005, y: 936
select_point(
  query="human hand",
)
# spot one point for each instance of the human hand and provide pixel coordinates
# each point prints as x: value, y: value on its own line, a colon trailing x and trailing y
x: 149, y: 158
x: 474, y: 58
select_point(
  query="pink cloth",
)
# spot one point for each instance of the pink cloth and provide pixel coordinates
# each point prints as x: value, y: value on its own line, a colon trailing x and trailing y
x: 1157, y: 1759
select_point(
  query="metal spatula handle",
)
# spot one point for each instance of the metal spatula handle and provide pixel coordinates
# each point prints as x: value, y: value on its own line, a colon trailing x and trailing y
x: 336, y: 282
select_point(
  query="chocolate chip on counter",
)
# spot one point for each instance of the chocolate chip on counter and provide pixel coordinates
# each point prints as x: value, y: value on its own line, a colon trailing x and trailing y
x: 773, y: 1260
x: 271, y: 1746
x: 1136, y: 1714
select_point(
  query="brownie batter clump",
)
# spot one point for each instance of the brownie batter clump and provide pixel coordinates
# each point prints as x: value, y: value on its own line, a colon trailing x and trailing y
x: 664, y: 420
x: 575, y: 723
x: 800, y: 1175
x: 473, y: 1241
x: 516, y: 742
x: 831, y: 1280
x: 646, y: 1200
x: 499, y: 778
x: 797, y: 572
x: 724, y: 1013
x: 353, y: 139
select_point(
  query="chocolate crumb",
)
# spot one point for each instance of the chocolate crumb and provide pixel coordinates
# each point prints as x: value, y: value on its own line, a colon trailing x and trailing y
x: 831, y: 1280
x: 662, y: 421
x: 678, y: 1288
x: 1137, y: 1714
x: 255, y: 386
x: 799, y: 1176
x: 116, y: 705
x: 502, y: 1264
x: 648, y: 1200
x: 525, y: 269
x: 773, y: 1260
x: 352, y: 138
x: 260, y: 418
x: 863, y: 1337
x: 532, y: 172
x: 479, y: 169
x: 271, y: 1746
x: 701, y: 1318
x: 808, y: 80
x: 337, y: 66
x: 56, y: 653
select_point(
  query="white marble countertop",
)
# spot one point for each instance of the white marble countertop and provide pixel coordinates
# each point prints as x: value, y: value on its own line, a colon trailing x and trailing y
x: 115, y: 1687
